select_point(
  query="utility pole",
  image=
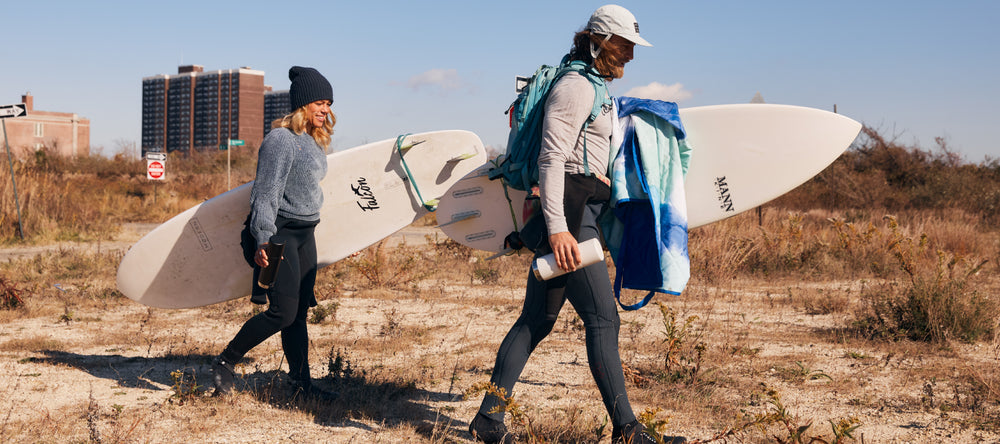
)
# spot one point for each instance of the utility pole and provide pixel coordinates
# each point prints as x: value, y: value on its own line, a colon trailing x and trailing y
x: 15, y: 110
x: 230, y: 143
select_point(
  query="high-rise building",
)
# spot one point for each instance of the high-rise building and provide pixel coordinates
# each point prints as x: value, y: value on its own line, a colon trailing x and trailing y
x: 276, y: 105
x: 198, y: 110
x: 64, y: 134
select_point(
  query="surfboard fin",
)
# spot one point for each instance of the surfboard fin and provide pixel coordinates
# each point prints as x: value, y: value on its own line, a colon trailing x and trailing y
x: 429, y: 205
x: 503, y: 252
x: 458, y: 217
x: 411, y: 145
x: 461, y: 157
x: 480, y: 173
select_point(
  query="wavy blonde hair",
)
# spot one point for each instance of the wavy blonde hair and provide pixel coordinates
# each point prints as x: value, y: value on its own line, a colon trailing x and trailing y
x: 298, y: 122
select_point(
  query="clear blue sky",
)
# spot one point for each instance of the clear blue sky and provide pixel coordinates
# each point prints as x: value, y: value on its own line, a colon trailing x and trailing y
x: 914, y: 69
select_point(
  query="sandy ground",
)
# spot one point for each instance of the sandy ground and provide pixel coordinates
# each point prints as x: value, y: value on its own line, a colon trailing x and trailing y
x: 118, y: 360
x: 134, y: 231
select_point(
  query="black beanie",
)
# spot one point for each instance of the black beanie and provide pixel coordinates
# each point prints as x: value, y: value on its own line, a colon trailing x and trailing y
x: 308, y: 86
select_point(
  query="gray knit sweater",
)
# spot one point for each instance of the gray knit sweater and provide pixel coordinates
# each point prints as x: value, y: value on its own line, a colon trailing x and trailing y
x: 289, y: 169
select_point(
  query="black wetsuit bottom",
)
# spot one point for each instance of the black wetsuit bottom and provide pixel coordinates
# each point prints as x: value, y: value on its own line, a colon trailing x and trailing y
x: 289, y: 299
x: 589, y: 291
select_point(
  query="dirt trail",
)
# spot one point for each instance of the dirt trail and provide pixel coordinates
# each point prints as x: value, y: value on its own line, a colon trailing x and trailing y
x: 132, y: 232
x: 109, y: 368
x: 129, y: 234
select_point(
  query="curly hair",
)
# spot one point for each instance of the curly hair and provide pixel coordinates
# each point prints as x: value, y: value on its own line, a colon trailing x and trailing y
x: 605, y: 62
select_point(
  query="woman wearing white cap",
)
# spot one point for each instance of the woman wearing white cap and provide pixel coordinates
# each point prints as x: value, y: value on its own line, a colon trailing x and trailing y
x: 571, y: 202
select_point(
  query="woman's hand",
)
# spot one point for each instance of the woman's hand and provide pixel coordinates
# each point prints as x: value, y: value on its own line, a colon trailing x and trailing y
x: 567, y: 252
x: 261, y: 257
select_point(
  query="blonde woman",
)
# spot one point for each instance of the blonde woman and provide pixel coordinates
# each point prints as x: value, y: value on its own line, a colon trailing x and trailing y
x: 284, y: 208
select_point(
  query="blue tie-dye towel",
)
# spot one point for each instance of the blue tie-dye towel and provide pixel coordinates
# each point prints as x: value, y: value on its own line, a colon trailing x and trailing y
x: 646, y: 231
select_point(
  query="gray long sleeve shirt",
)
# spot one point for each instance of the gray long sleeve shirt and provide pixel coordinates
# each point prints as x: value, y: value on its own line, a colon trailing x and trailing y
x: 289, y: 170
x: 566, y: 109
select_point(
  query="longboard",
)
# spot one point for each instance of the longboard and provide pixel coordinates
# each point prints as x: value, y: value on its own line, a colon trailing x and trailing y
x: 742, y: 156
x: 195, y: 259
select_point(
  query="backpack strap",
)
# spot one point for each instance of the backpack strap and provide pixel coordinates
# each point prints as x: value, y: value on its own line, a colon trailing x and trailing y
x: 600, y: 99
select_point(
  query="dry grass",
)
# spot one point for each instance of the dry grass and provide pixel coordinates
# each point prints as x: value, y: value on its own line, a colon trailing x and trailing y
x: 85, y: 199
x: 837, y: 324
x: 752, y: 352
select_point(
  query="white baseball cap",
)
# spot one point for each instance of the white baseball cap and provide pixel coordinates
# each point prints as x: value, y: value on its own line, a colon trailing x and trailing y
x: 616, y: 20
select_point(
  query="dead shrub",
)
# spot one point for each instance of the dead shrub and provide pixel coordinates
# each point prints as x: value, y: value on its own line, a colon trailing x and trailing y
x: 936, y: 301
x: 10, y: 295
x: 401, y: 267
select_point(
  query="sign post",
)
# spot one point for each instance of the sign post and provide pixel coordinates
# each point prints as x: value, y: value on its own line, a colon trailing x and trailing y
x: 14, y: 110
x: 156, y: 168
x: 229, y: 144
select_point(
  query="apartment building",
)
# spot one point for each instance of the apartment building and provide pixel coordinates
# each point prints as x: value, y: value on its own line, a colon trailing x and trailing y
x: 64, y: 134
x: 199, y: 110
x: 276, y: 105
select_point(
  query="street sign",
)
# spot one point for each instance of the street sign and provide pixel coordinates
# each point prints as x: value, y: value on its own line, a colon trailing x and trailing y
x: 150, y: 155
x: 14, y: 110
x: 155, y: 169
x: 236, y: 142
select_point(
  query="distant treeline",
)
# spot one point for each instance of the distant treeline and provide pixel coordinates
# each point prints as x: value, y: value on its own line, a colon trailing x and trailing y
x: 878, y: 173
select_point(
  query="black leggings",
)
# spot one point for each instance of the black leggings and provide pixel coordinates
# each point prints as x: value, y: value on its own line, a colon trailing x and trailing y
x: 289, y: 300
x: 589, y: 291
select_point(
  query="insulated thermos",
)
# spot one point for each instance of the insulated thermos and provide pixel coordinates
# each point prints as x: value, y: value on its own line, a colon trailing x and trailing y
x: 274, y: 252
x: 545, y: 267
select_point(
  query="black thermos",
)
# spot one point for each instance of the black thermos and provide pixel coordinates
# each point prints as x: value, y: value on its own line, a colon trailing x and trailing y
x: 267, y: 275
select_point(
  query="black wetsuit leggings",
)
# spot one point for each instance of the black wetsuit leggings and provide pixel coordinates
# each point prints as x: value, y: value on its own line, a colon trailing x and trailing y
x: 289, y: 300
x: 589, y: 291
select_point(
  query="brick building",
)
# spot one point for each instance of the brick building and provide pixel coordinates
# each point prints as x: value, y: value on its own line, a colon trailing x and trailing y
x: 198, y: 110
x: 64, y: 134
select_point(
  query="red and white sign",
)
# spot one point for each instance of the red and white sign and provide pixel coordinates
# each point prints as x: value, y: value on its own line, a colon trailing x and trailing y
x: 155, y: 169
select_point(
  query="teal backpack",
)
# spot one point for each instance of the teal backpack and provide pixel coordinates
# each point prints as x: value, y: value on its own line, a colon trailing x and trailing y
x: 519, y: 168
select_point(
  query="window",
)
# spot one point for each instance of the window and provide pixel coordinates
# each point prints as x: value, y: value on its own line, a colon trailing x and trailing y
x: 39, y: 129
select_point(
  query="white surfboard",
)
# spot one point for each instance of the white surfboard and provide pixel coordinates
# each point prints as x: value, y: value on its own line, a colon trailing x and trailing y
x: 195, y: 259
x: 741, y: 157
